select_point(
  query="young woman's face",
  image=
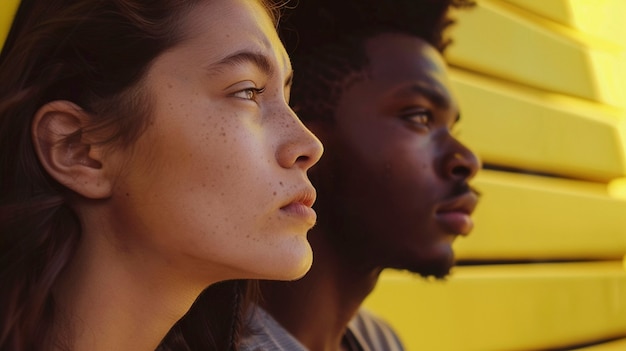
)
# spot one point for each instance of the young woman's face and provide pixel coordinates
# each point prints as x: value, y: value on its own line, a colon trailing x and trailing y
x: 217, y: 184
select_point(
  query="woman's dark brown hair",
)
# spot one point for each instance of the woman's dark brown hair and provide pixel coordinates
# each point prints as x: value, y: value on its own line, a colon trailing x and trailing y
x: 93, y: 53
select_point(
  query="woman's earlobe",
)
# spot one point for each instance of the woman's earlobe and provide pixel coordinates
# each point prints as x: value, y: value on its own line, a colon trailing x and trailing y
x: 65, y: 153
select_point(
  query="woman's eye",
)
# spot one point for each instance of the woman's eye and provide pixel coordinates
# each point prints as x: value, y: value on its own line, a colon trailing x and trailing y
x: 249, y: 93
x: 420, y: 117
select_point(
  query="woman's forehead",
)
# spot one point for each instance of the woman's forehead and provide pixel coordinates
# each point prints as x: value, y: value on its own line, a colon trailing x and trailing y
x: 227, y: 27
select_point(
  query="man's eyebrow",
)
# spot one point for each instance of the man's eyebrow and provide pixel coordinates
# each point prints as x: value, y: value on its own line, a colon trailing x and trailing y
x: 435, y: 96
x: 245, y: 57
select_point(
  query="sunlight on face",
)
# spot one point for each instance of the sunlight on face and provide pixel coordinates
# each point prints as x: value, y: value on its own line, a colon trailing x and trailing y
x: 217, y: 184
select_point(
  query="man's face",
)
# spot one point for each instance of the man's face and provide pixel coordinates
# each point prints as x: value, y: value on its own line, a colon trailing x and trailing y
x: 393, y: 184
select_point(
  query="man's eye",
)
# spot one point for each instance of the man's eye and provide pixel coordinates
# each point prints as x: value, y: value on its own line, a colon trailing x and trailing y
x: 249, y: 93
x: 418, y: 117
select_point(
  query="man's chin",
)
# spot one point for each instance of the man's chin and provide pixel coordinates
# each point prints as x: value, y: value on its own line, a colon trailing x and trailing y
x: 436, y: 276
x: 438, y: 270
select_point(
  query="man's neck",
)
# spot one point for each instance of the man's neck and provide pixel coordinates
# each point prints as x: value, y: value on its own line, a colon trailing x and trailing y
x: 316, y: 309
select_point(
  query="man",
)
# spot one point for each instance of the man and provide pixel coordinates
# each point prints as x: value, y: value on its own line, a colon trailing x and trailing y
x: 393, y: 189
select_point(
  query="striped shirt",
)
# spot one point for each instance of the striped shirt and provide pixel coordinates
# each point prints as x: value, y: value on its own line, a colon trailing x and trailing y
x: 365, y: 332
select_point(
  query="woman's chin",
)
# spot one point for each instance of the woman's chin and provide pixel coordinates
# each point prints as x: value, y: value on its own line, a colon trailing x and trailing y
x: 293, y: 264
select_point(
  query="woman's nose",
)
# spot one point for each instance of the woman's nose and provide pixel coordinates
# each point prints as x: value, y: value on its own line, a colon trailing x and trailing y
x: 302, y: 149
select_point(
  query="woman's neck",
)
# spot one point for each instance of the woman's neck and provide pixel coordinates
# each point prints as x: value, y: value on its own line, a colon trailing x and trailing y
x: 110, y: 299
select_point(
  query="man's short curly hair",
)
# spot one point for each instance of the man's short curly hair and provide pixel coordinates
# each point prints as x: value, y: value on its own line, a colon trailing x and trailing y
x: 325, y: 40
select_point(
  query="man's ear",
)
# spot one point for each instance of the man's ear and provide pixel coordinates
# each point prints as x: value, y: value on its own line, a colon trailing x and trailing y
x: 66, y: 153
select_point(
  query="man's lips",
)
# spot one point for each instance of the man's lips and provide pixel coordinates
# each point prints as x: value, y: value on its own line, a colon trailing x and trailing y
x: 455, y: 216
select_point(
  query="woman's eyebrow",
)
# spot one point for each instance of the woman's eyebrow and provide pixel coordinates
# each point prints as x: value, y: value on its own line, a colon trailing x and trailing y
x: 245, y: 57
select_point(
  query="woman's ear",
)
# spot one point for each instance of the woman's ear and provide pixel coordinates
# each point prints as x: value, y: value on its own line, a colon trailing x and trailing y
x: 66, y: 153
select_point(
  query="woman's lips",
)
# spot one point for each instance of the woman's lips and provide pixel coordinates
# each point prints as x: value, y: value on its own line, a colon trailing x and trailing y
x: 301, y: 206
x: 301, y: 210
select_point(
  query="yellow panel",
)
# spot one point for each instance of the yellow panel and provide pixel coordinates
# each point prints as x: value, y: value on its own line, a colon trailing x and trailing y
x: 505, y: 307
x: 499, y: 40
x: 601, y: 18
x: 528, y: 129
x: 7, y: 11
x: 617, y: 345
x: 556, y: 10
x: 532, y: 217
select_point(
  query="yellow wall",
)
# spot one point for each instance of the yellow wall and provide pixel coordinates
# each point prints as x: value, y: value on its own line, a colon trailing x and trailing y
x: 541, y: 84
x: 7, y: 10
x: 542, y: 89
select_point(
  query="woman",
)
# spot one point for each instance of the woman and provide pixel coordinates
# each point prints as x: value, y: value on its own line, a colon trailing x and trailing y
x: 148, y: 151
